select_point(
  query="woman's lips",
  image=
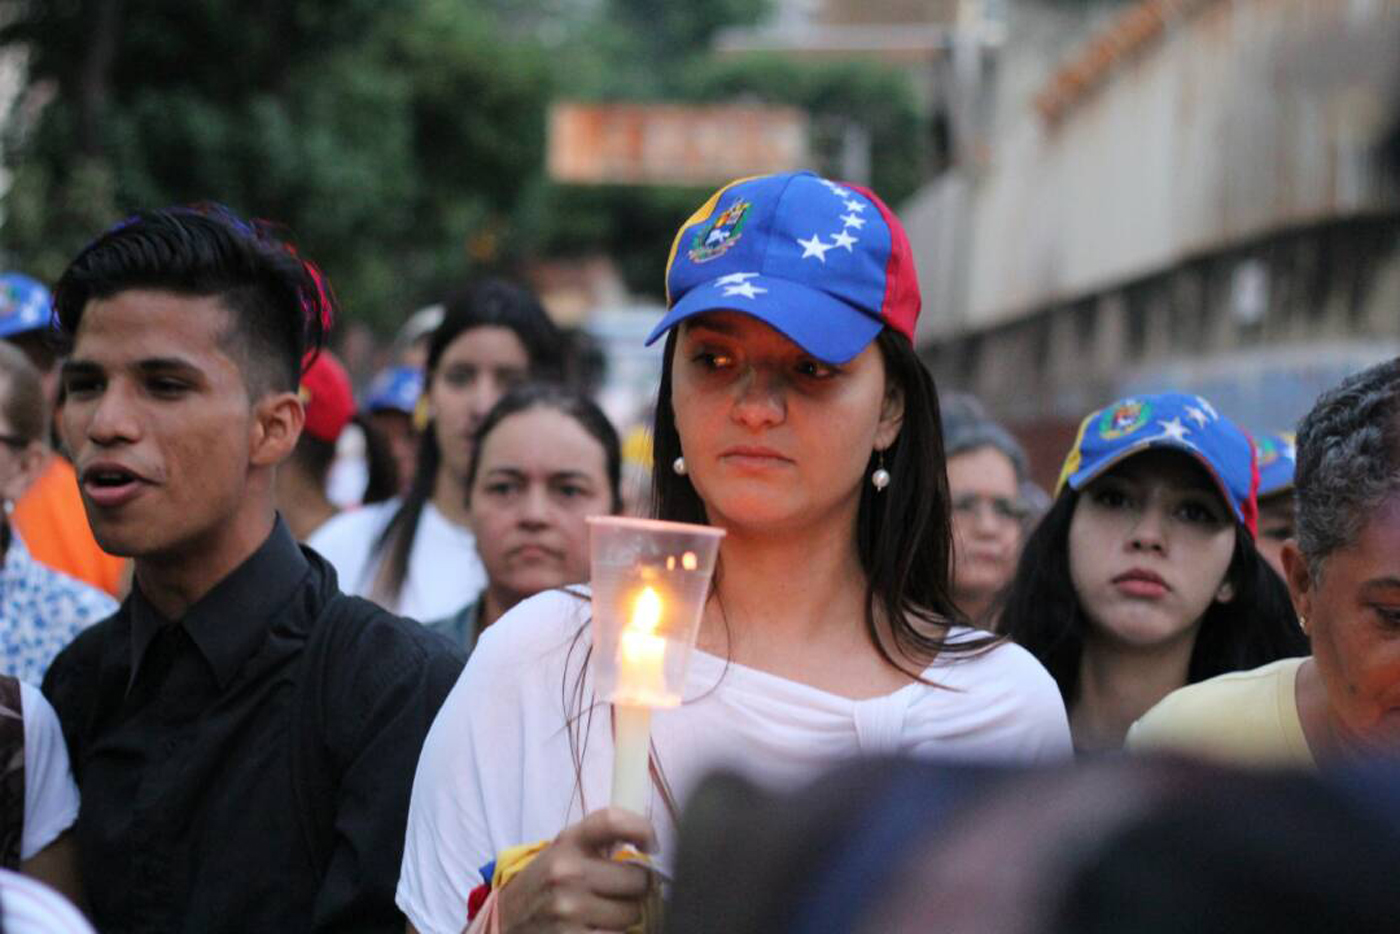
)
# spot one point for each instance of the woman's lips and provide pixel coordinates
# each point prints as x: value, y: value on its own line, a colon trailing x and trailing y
x: 754, y: 457
x: 1141, y: 583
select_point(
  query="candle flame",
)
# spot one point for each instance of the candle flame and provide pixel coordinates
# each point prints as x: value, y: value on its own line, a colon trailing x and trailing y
x: 646, y: 612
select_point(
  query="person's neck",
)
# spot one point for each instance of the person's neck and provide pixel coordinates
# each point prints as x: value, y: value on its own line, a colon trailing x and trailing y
x: 450, y: 498
x: 303, y: 503
x: 172, y: 583
x: 1118, y: 684
x: 975, y: 606
x: 494, y: 604
x: 778, y: 591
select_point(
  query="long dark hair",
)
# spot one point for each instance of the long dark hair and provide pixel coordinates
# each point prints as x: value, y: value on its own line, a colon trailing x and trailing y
x: 561, y: 399
x: 1041, y: 610
x: 486, y: 303
x: 903, y: 534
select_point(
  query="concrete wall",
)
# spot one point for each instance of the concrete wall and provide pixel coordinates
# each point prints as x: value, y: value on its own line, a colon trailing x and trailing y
x: 1233, y: 123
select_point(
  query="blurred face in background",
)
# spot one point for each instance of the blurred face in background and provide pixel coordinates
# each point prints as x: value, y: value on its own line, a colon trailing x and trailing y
x: 987, y: 525
x: 471, y: 375
x: 1275, y: 528
x: 396, y: 428
x: 1150, y: 544
x: 539, y: 476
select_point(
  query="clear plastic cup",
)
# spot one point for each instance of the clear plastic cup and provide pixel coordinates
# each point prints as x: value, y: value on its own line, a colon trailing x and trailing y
x: 650, y: 581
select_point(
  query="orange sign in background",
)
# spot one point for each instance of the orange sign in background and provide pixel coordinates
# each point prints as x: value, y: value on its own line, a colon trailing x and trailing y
x: 672, y: 144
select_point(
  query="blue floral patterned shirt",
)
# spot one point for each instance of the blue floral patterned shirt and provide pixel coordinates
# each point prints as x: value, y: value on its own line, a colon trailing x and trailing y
x: 41, y: 610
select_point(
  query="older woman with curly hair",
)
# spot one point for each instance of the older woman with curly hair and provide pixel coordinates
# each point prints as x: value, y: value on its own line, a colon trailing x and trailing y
x: 1343, y: 572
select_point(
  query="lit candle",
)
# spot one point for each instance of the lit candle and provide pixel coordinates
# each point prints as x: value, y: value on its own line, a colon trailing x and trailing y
x: 641, y: 683
x: 641, y: 661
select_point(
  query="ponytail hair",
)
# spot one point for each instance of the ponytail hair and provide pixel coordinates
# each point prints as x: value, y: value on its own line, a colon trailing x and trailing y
x: 485, y: 303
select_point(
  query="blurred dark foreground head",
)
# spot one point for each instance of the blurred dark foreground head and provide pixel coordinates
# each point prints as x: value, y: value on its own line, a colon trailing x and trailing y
x: 1142, y: 846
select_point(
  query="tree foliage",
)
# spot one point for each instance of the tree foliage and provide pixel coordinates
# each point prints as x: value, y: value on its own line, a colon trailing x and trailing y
x: 400, y: 141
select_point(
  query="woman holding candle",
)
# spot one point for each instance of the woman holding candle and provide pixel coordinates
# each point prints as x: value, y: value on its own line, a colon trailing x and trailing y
x: 794, y: 414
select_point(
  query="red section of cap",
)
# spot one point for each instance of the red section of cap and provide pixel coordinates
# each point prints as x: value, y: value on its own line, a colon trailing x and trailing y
x: 1250, y: 507
x: 326, y: 393
x: 902, y: 302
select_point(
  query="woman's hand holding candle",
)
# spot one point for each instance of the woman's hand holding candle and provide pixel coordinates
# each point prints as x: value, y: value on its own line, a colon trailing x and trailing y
x: 575, y: 885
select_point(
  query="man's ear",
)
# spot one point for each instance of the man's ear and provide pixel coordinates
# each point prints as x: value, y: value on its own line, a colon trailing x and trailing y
x: 891, y: 416
x: 1298, y: 576
x: 278, y: 418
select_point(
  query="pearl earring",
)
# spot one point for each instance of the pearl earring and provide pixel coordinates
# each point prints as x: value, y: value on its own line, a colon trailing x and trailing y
x: 678, y: 465
x: 1303, y: 624
x: 881, y: 477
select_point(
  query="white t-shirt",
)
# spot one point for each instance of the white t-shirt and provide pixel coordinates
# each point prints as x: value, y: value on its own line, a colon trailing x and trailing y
x: 497, y: 770
x: 444, y: 571
x: 50, y: 796
x: 27, y: 906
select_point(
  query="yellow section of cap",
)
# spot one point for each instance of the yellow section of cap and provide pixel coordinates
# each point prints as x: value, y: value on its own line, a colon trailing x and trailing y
x: 1075, y: 455
x: 701, y: 213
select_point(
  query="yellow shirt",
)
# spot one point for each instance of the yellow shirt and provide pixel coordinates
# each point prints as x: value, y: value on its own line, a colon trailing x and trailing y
x: 1243, y: 718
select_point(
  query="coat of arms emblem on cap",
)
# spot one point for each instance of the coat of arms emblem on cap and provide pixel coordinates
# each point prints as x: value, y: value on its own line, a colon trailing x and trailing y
x: 1124, y: 419
x: 714, y: 238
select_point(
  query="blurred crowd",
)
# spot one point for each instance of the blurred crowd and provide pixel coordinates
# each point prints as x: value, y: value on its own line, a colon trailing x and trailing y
x: 283, y: 655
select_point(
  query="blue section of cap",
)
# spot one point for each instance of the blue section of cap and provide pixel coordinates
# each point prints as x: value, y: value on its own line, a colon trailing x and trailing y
x: 24, y: 304
x: 825, y: 327
x: 819, y: 246
x: 1277, y: 462
x: 1173, y: 421
x: 396, y: 388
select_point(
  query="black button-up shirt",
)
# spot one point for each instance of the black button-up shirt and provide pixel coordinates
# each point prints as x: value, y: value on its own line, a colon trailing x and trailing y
x: 248, y: 767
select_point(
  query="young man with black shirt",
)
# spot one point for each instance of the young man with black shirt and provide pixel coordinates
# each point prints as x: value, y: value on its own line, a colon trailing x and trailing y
x: 244, y: 736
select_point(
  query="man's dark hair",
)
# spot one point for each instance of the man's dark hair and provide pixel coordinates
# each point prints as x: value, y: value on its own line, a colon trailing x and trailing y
x: 279, y: 304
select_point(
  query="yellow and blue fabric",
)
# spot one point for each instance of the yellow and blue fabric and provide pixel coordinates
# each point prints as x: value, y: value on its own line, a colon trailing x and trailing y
x: 1278, y: 457
x: 395, y: 389
x: 24, y: 304
x: 1175, y: 421
x: 825, y: 263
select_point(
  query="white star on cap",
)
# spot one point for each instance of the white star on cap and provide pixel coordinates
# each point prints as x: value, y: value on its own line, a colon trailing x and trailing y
x: 855, y: 206
x: 843, y: 239
x: 734, y: 277
x: 1196, y: 415
x: 746, y: 289
x: 1209, y: 408
x: 851, y: 220
x: 814, y: 247
x: 834, y: 188
x: 1174, y: 430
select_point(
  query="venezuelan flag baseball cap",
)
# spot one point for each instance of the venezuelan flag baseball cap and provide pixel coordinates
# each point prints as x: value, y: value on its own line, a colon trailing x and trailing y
x: 1278, y: 457
x: 395, y: 389
x: 24, y: 304
x: 825, y: 263
x: 1176, y: 422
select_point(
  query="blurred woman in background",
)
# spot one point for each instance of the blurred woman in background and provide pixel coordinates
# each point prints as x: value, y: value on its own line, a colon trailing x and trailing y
x: 1343, y: 573
x: 986, y: 472
x: 416, y: 556
x: 1143, y: 576
x: 544, y: 459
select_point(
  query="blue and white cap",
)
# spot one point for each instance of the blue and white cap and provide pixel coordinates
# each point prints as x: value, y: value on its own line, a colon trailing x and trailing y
x: 1171, y: 420
x: 24, y: 304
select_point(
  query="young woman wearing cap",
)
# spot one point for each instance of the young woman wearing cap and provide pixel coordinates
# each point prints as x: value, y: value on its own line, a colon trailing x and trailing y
x: 417, y: 556
x: 1144, y: 576
x: 793, y: 412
